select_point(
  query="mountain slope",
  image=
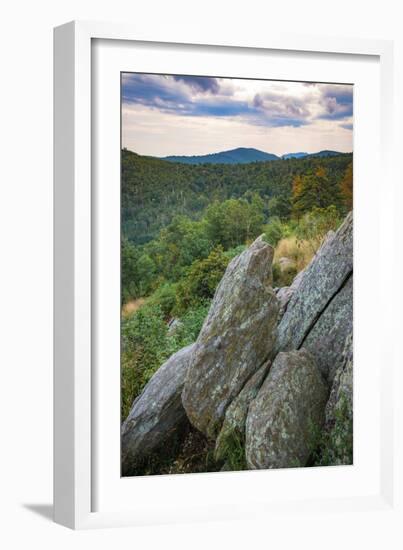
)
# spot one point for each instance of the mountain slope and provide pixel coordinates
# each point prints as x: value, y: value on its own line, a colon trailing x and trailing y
x: 154, y: 191
x: 241, y: 155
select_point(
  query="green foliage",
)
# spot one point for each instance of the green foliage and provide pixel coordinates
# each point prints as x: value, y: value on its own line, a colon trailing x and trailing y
x: 190, y: 324
x: 165, y: 298
x: 280, y: 207
x: 233, y: 252
x: 335, y: 445
x: 273, y: 231
x: 178, y: 245
x: 314, y: 190
x: 234, y: 221
x: 314, y: 225
x: 347, y: 187
x: 145, y: 346
x: 233, y: 451
x: 155, y: 191
x: 201, y: 280
x: 129, y: 276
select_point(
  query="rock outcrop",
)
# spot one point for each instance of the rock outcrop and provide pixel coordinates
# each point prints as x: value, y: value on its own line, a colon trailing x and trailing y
x: 285, y: 293
x: 233, y: 429
x: 236, y: 339
x: 285, y: 418
x: 324, y: 296
x: 157, y: 416
x: 256, y: 383
x: 339, y: 410
x: 327, y: 337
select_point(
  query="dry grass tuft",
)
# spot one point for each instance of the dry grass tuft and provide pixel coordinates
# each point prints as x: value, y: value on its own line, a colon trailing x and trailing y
x: 132, y: 306
x: 300, y: 252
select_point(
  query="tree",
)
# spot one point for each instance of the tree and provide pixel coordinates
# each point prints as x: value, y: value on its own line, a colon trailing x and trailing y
x: 273, y: 231
x: 129, y: 278
x: 314, y: 190
x: 202, y: 279
x: 347, y: 187
x: 235, y: 221
x: 280, y: 207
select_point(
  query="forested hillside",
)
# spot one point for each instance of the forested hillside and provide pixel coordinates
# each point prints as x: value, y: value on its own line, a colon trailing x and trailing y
x: 155, y: 191
x: 182, y: 225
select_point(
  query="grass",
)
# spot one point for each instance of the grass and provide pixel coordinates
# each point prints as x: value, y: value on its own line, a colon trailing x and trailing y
x: 132, y: 306
x: 300, y: 252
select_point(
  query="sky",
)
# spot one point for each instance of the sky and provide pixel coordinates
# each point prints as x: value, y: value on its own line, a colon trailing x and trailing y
x: 196, y: 115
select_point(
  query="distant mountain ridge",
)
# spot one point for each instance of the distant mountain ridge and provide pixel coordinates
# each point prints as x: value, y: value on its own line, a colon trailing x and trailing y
x: 242, y: 155
x: 294, y: 155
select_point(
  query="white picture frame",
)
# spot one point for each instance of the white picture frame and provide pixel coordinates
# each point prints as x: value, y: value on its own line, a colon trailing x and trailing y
x: 77, y: 472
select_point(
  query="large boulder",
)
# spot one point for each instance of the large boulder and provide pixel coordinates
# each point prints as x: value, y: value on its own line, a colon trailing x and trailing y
x: 285, y: 293
x: 236, y: 339
x: 327, y: 337
x: 339, y: 411
x: 323, y: 297
x: 322, y: 279
x: 232, y: 433
x: 157, y: 417
x: 287, y: 415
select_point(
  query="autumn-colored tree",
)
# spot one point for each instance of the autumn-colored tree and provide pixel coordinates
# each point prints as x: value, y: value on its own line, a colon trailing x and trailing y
x: 314, y: 189
x: 347, y: 187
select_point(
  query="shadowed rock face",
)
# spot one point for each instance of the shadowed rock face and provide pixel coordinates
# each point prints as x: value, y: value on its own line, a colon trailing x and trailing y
x: 157, y: 415
x: 318, y: 315
x: 236, y: 339
x: 284, y: 419
x: 235, y: 418
x: 339, y: 409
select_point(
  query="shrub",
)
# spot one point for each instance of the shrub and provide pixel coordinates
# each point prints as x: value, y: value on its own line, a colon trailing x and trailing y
x: 145, y: 346
x: 314, y: 225
x: 190, y: 325
x: 273, y: 231
x: 201, y: 280
x: 165, y: 298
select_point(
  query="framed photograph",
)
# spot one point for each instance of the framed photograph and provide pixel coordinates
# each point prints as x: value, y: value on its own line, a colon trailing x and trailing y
x: 212, y: 354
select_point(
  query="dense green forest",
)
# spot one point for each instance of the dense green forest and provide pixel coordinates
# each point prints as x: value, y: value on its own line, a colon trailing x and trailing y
x: 155, y: 191
x: 182, y: 224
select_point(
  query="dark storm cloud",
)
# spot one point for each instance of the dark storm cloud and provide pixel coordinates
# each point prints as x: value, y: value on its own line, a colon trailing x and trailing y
x: 199, y: 83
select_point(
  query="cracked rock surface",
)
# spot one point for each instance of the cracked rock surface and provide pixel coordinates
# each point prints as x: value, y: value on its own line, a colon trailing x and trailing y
x: 288, y: 413
x: 236, y: 339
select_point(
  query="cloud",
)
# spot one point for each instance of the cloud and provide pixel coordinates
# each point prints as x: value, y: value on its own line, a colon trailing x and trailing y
x: 336, y: 102
x: 346, y: 125
x: 199, y: 83
x: 258, y: 103
x: 204, y: 96
x: 279, y: 109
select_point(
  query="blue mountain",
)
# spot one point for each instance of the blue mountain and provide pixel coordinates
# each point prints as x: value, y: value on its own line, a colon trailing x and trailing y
x: 294, y: 155
x: 241, y: 155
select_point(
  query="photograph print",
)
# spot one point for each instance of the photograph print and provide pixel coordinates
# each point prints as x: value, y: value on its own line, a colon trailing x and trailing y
x: 236, y: 274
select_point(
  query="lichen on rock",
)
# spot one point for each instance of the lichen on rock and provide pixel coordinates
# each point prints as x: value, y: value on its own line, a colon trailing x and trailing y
x: 285, y: 418
x: 237, y: 337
